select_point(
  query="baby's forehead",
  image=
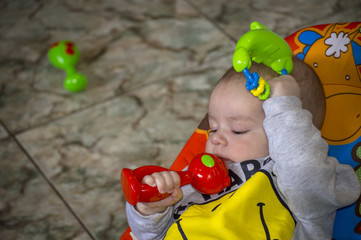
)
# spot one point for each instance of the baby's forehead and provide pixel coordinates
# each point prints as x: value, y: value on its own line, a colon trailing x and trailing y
x: 232, y: 83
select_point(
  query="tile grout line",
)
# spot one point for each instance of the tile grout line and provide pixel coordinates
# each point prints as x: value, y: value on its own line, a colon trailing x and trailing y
x: 209, y: 19
x: 50, y: 183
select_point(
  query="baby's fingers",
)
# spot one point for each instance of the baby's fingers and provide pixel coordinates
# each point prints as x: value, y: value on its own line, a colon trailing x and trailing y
x: 171, y: 181
x: 166, y: 181
x: 176, y: 179
x: 284, y: 85
x: 149, y: 180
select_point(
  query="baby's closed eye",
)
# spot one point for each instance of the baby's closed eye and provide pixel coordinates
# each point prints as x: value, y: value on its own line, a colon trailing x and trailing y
x: 240, y: 132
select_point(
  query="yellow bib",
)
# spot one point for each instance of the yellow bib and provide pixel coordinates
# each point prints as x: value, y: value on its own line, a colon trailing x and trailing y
x: 254, y: 211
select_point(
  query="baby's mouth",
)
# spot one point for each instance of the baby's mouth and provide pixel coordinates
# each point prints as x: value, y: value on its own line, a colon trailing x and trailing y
x: 225, y: 160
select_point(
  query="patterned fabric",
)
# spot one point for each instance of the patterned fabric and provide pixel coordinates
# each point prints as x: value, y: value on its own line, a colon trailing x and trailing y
x: 334, y: 52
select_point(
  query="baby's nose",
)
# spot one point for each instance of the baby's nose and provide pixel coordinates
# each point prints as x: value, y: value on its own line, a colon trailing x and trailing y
x: 218, y: 138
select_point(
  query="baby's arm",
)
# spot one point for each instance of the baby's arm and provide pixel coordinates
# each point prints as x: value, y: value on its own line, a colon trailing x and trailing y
x: 166, y: 182
x: 313, y: 184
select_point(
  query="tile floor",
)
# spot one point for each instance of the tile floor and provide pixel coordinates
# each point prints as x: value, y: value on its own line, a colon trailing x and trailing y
x: 151, y: 65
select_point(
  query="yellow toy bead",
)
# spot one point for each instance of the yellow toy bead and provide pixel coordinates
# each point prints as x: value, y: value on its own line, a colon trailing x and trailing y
x: 260, y: 89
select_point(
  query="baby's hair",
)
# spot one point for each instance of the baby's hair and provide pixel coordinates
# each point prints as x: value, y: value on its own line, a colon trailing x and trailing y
x: 312, y: 94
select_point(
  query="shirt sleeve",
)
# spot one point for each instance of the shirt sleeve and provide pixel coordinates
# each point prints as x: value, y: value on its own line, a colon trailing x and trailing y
x: 313, y: 184
x: 149, y: 227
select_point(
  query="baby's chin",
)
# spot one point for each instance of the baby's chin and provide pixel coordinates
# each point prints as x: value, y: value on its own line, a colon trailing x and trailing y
x: 229, y: 161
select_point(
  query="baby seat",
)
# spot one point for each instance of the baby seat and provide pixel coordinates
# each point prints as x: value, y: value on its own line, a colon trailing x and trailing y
x: 334, y: 52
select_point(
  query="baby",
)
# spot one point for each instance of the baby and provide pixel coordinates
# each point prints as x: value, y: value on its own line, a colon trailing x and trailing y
x: 278, y: 138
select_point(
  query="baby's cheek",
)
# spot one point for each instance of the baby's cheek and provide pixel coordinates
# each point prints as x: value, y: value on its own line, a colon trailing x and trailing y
x: 208, y: 146
x: 260, y: 145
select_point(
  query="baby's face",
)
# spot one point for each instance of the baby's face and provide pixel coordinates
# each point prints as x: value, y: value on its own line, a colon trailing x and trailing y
x: 236, y: 123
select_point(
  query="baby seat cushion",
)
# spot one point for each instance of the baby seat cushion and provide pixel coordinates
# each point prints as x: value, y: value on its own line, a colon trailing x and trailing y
x: 334, y: 52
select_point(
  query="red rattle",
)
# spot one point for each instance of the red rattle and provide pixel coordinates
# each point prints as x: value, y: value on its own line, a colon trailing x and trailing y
x: 206, y: 172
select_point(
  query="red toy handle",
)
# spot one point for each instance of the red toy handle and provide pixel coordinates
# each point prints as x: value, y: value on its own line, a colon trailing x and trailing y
x: 206, y: 172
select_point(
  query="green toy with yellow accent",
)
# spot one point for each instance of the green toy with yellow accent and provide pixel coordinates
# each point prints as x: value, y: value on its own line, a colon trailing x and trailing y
x: 261, y: 45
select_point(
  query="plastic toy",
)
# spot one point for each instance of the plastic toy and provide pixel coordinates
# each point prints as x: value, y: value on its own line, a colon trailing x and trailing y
x: 206, y: 172
x: 261, y: 45
x: 65, y: 55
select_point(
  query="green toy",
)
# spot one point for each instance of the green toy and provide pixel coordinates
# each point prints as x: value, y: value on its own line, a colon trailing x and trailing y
x: 261, y: 45
x: 65, y: 55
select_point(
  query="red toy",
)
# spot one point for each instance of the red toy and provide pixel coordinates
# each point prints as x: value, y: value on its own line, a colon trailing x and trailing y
x: 206, y: 172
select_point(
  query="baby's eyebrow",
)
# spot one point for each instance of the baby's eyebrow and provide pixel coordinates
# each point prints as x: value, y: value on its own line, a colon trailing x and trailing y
x: 240, y: 118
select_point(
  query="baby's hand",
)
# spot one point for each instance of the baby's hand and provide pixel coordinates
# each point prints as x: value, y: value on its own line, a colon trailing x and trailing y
x: 284, y: 85
x: 166, y: 182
